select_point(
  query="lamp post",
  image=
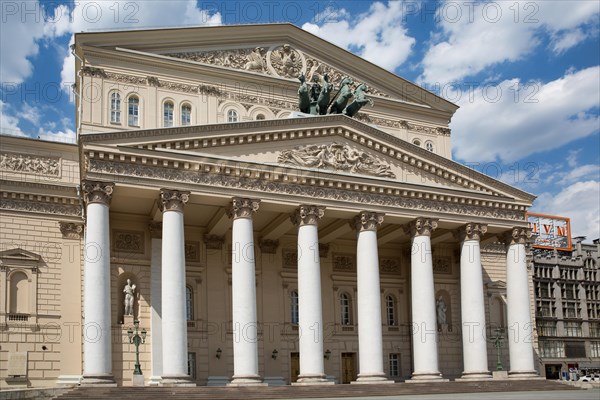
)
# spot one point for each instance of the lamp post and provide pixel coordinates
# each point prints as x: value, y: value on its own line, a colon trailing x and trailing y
x: 498, y: 345
x: 136, y: 339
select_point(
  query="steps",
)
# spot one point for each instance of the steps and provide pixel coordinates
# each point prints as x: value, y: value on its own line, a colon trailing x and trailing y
x: 299, y: 392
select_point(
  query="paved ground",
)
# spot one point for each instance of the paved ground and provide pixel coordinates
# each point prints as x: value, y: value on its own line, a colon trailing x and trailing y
x: 591, y: 394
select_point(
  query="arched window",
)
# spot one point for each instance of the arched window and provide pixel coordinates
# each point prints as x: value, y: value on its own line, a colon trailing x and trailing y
x: 115, y: 108
x: 429, y: 146
x: 294, y: 307
x: 417, y: 142
x: 168, y: 110
x: 133, y: 111
x: 260, y: 117
x: 390, y: 310
x: 19, y: 293
x: 186, y: 115
x: 189, y: 304
x: 345, y: 309
x: 232, y: 116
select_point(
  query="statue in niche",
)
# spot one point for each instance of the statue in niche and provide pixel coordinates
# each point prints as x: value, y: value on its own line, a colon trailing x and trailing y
x: 342, y: 97
x: 360, y: 99
x: 255, y: 60
x: 441, y: 311
x: 129, y: 291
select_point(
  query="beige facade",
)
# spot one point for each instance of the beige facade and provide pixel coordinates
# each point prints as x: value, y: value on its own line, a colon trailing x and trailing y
x: 194, y: 110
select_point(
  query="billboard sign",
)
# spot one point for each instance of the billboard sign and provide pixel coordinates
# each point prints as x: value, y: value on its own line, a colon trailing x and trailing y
x: 551, y: 232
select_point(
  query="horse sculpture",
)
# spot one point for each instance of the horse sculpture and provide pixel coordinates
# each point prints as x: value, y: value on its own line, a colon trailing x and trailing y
x: 360, y: 99
x: 323, y: 99
x: 343, y: 96
x: 303, y: 98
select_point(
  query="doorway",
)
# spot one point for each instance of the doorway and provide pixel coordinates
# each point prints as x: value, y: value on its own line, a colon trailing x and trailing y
x: 294, y: 366
x: 348, y: 367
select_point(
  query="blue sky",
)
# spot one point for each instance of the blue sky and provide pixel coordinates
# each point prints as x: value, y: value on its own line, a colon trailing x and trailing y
x: 526, y: 74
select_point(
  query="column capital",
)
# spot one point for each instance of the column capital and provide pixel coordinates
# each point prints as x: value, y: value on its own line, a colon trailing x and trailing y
x: 242, y: 207
x: 421, y: 226
x: 173, y: 200
x: 518, y: 235
x: 367, y: 221
x: 471, y: 231
x: 307, y: 215
x: 97, y: 192
x: 71, y: 230
x: 155, y: 229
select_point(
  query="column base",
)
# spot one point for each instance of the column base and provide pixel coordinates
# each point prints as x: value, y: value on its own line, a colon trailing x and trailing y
x: 154, y: 381
x: 371, y: 379
x: 474, y: 376
x: 68, y: 380
x: 177, y: 381
x: 103, y: 380
x: 500, y: 375
x: 524, y: 375
x: 248, y: 380
x: 308, y: 379
x: 426, y: 377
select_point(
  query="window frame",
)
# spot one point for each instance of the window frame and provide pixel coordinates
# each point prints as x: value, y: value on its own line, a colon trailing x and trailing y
x: 231, y: 113
x: 186, y: 106
x: 345, y: 309
x: 136, y: 114
x: 168, y: 119
x: 114, y: 111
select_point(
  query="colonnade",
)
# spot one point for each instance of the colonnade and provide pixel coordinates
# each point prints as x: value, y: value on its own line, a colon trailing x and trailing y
x: 173, y: 371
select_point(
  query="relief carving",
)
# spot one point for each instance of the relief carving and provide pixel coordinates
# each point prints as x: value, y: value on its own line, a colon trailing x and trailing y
x: 344, y: 263
x: 289, y: 258
x: 335, y: 156
x: 128, y: 241
x: 30, y: 164
x: 286, y: 61
x: 71, y: 230
x: 192, y: 251
x: 40, y: 207
x: 442, y: 265
x: 389, y: 265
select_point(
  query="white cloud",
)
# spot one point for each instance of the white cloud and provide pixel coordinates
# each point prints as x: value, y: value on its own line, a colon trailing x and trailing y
x: 500, y: 122
x: 377, y: 35
x: 580, y: 202
x: 66, y: 136
x: 91, y: 15
x: 9, y: 125
x: 475, y: 36
x: 30, y: 113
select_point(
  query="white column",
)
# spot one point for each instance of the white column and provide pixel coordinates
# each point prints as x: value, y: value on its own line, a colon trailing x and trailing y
x: 174, y: 324
x: 97, y: 337
x: 310, y: 308
x: 156, y: 303
x: 472, y: 304
x: 243, y: 288
x: 424, y: 318
x: 518, y: 312
x: 370, y: 342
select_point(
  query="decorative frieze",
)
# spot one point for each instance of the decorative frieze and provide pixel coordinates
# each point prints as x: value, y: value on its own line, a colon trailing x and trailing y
x: 307, y: 215
x: 421, y: 227
x: 268, y: 246
x: 128, y: 241
x: 336, y: 156
x: 242, y: 208
x: 389, y: 265
x: 173, y: 200
x: 214, y: 242
x: 442, y: 265
x: 97, y: 192
x: 41, y: 207
x: 192, y: 251
x: 447, y: 206
x: 472, y: 231
x: 30, y: 164
x: 344, y: 262
x: 71, y: 230
x: 402, y: 124
x: 367, y: 221
x: 155, y: 229
x: 93, y: 72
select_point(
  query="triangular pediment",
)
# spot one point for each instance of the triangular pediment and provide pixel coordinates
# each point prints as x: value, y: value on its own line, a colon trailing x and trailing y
x: 277, y: 51
x: 335, y: 146
x: 19, y: 256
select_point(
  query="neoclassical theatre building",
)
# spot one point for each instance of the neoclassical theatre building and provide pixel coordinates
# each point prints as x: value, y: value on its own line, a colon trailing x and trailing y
x: 253, y: 242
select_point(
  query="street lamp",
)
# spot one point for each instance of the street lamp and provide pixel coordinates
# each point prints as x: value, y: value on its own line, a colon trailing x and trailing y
x: 136, y: 339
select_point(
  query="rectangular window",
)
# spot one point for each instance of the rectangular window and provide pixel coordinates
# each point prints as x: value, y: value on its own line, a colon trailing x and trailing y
x: 168, y: 115
x: 595, y: 329
x: 575, y: 349
x: 546, y: 328
x: 552, y: 348
x: 594, y: 349
x: 394, y: 364
x: 133, y: 111
x: 186, y: 115
x: 573, y: 329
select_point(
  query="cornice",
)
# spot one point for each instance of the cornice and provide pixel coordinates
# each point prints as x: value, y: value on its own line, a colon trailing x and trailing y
x: 42, y: 204
x: 214, y: 179
x: 190, y: 138
x: 37, y: 188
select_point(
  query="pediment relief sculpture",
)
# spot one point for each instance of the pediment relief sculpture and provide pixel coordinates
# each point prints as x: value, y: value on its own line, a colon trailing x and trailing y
x: 282, y: 61
x: 335, y: 156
